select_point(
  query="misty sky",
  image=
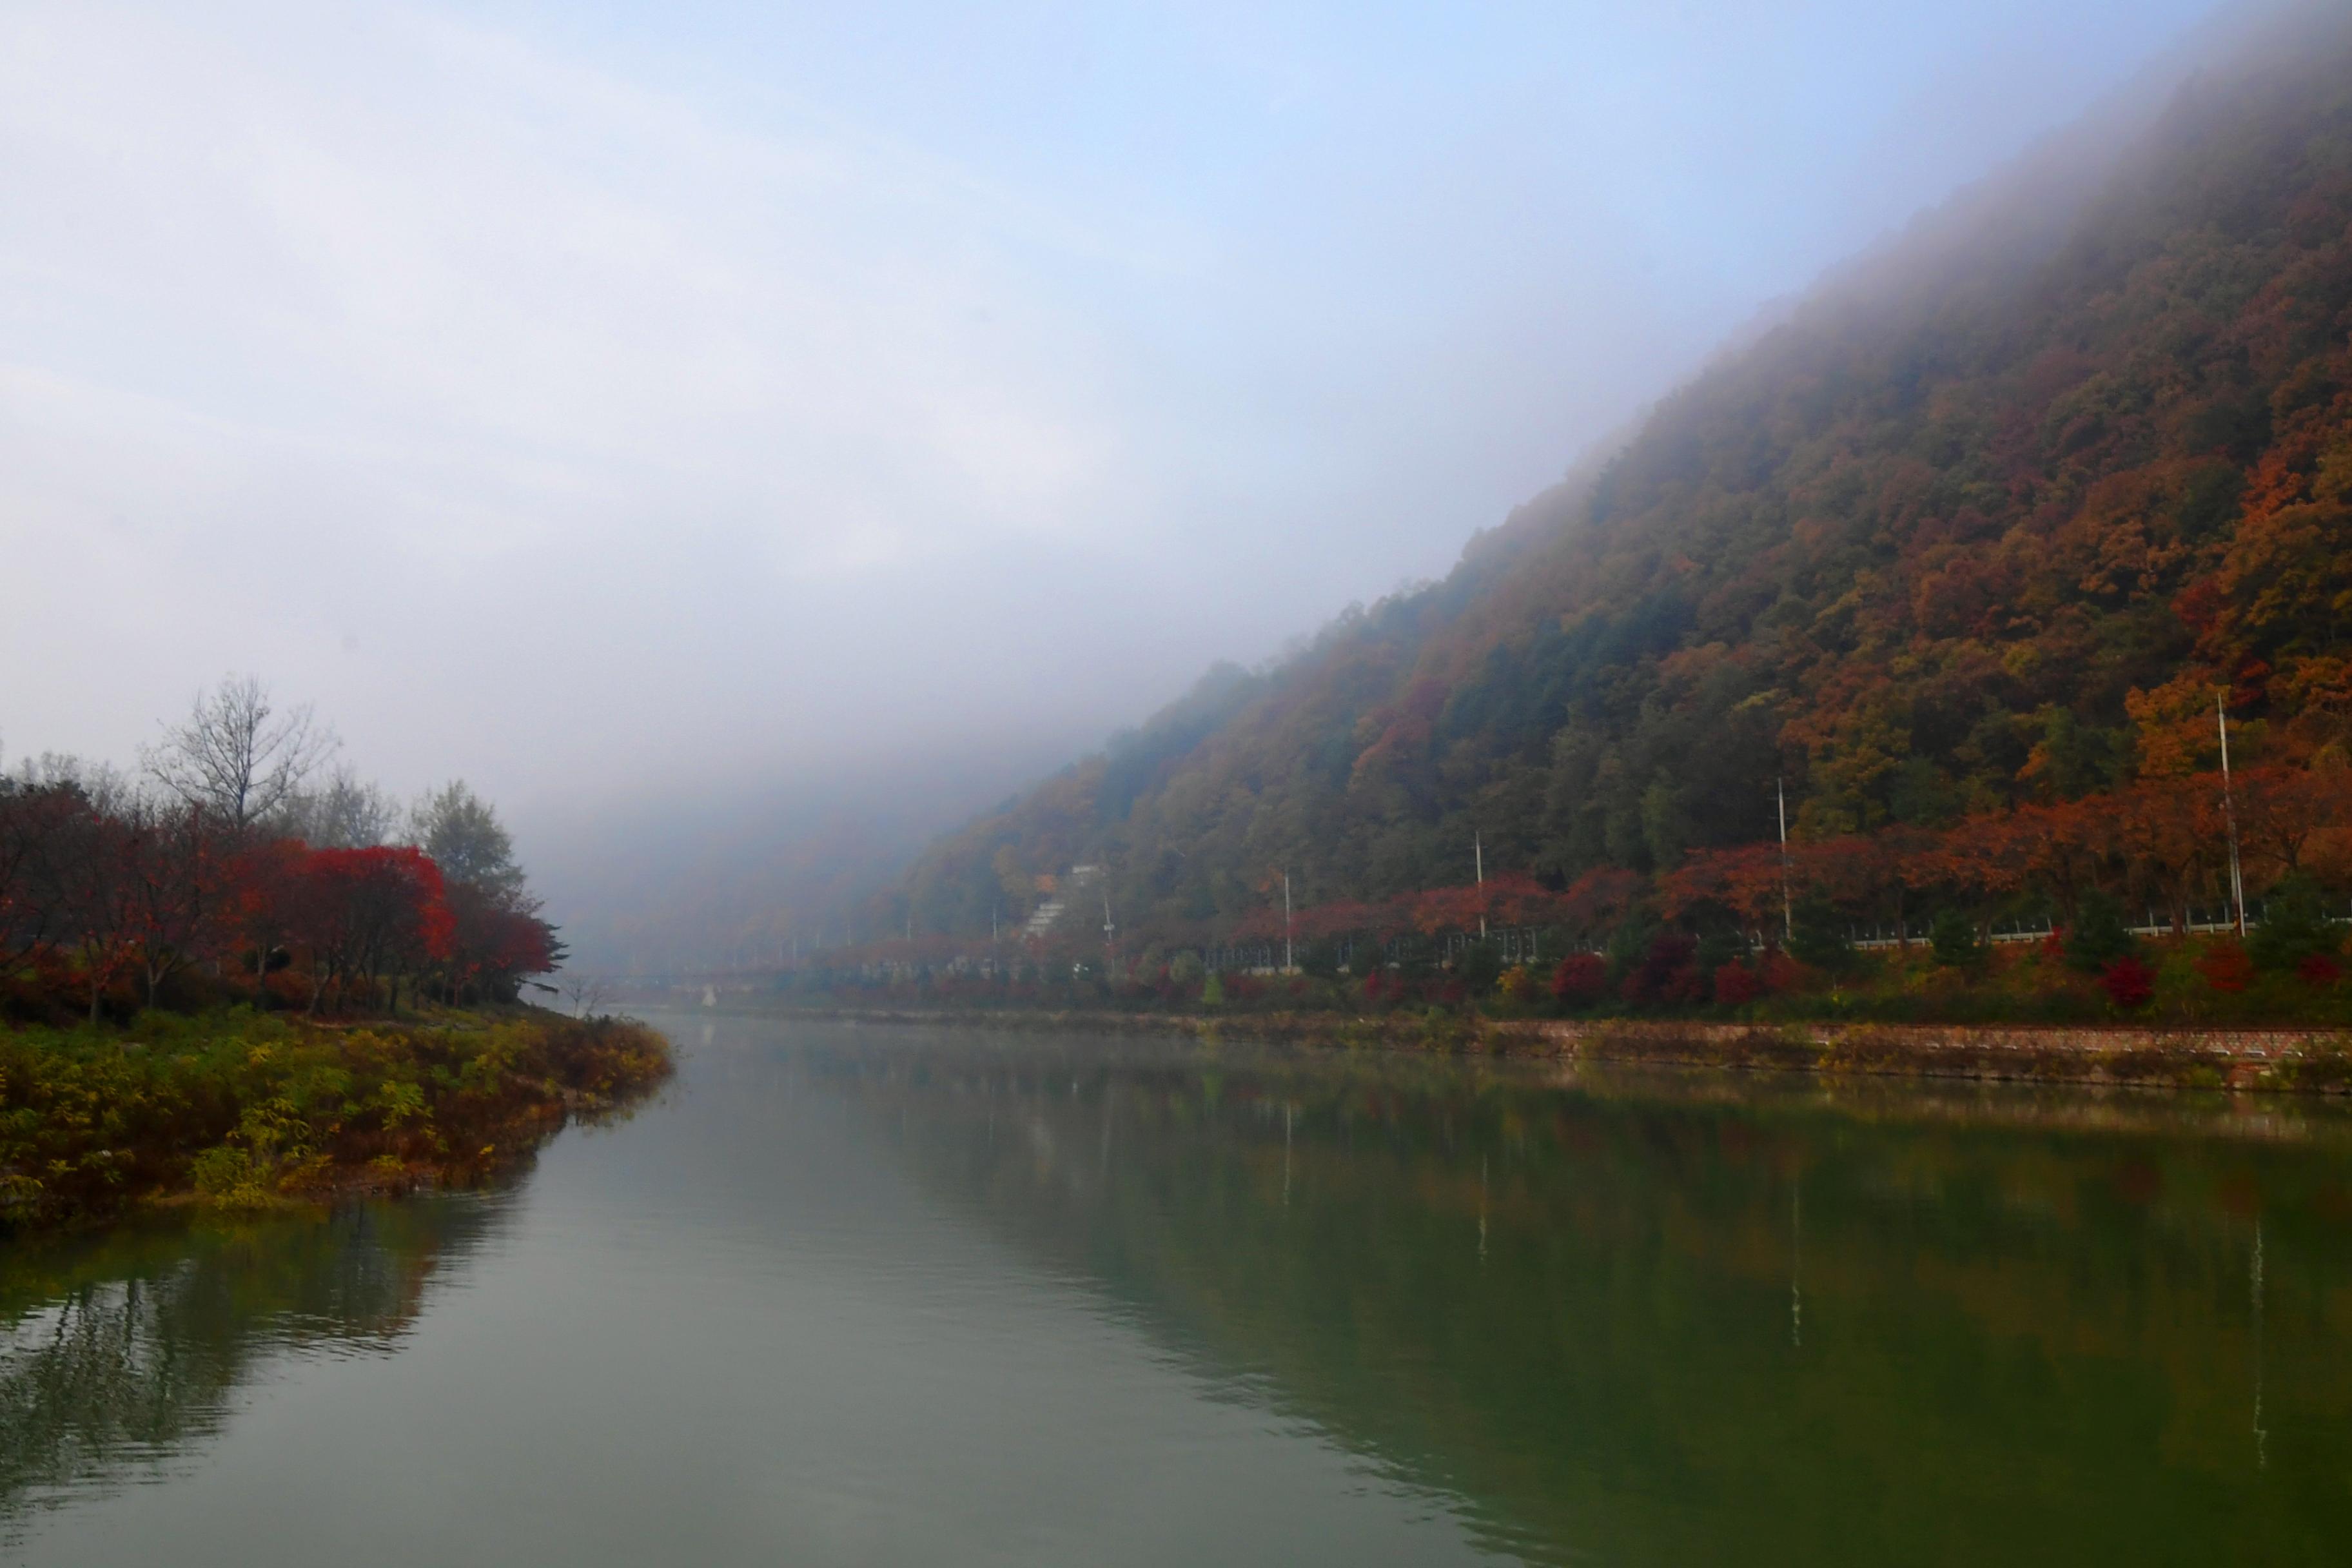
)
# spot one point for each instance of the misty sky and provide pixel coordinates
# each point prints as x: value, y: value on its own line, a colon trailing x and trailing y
x: 595, y: 399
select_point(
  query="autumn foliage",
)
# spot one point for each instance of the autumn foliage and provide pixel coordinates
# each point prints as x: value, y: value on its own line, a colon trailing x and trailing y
x: 115, y: 902
x: 248, y: 1112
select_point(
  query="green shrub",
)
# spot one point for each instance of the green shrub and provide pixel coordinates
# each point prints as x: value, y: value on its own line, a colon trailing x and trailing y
x: 2295, y: 927
x: 1818, y: 936
x: 1954, y: 940
x: 236, y: 1108
x: 2098, y: 936
x: 1477, y: 967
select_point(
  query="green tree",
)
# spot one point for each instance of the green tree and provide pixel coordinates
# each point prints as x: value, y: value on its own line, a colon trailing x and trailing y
x: 1954, y: 938
x: 462, y: 833
x: 2295, y: 926
x: 1320, y: 958
x: 1630, y: 943
x: 1717, y: 948
x: 1478, y: 966
x: 1818, y: 934
x: 2098, y: 936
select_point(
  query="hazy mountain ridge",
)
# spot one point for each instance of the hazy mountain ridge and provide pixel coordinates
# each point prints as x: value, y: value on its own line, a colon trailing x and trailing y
x: 1984, y: 520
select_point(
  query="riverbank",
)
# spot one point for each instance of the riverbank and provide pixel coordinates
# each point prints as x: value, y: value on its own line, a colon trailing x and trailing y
x: 2299, y: 1061
x: 238, y: 1110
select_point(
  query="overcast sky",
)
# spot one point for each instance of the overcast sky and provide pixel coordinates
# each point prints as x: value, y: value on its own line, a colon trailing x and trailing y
x: 595, y: 400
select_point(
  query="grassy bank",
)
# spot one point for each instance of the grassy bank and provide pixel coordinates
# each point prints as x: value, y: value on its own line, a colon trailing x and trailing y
x: 245, y: 1110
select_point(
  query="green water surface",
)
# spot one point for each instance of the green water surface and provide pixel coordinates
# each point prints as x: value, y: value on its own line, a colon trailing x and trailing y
x: 892, y: 1296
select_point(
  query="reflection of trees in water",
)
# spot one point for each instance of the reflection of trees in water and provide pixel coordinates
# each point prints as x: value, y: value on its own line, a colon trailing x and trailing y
x: 2019, y: 1325
x: 119, y: 1353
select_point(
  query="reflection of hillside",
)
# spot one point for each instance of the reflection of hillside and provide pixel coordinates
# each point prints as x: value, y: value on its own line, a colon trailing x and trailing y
x: 1647, y: 1322
x: 120, y: 1353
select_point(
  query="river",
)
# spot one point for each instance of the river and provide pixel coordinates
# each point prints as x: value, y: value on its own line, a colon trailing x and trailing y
x: 878, y: 1296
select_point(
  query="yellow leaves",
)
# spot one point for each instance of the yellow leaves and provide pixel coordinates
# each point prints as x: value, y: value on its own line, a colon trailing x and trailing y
x: 2126, y: 562
x: 2334, y: 481
x: 2290, y: 560
x: 400, y: 1102
x: 2321, y: 681
x: 1685, y: 667
x: 272, y: 1125
x: 2176, y: 729
x: 1867, y: 586
x: 1852, y: 767
x: 84, y: 1123
x: 18, y: 1190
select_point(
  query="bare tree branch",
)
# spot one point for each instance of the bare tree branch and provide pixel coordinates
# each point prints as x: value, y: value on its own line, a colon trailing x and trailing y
x: 236, y: 756
x: 342, y: 812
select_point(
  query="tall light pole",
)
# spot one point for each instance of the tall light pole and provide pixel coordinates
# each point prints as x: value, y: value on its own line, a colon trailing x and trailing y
x: 2230, y: 816
x: 1478, y: 855
x: 1788, y: 914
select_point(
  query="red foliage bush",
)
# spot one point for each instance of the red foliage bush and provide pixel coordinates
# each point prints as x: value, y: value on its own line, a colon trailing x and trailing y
x: 2130, y: 984
x: 1737, y: 984
x: 1665, y: 973
x: 1780, y: 973
x: 2226, y: 967
x: 2320, y: 971
x: 1580, y: 980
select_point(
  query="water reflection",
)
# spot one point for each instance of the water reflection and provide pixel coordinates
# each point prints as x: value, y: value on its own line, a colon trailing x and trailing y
x: 855, y: 1296
x: 122, y: 1355
x: 2007, y: 1325
x: 2261, y: 1438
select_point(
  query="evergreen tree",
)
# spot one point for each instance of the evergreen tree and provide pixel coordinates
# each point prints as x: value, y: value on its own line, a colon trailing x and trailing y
x: 1478, y: 966
x: 1954, y: 938
x: 2294, y: 927
x: 1818, y: 935
x: 462, y: 833
x: 2098, y: 936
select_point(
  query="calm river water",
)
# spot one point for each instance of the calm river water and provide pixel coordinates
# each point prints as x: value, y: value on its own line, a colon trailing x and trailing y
x: 889, y: 1296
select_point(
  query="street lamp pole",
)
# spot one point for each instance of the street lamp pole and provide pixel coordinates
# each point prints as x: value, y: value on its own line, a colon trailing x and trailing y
x: 2230, y: 816
x: 1788, y: 916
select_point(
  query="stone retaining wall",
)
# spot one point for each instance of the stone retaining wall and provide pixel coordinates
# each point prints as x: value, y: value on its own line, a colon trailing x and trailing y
x: 2316, y: 1061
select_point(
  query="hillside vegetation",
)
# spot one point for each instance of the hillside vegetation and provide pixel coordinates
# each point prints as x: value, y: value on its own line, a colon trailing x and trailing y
x: 1983, y: 527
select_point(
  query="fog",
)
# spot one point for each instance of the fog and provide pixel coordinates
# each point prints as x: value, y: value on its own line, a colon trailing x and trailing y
x: 689, y: 421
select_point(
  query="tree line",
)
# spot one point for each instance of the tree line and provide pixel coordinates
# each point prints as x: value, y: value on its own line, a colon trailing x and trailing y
x: 239, y: 859
x: 2064, y: 884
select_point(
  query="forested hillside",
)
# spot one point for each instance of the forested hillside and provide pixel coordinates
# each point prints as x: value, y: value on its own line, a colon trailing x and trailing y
x: 1983, y: 526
